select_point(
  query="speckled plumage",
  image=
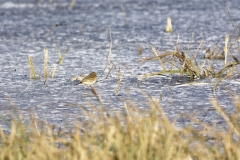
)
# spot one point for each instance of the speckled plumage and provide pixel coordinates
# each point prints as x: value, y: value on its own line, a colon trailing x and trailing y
x: 89, y: 79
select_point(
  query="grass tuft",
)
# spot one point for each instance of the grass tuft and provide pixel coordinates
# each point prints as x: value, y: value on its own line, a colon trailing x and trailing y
x: 183, y: 63
x: 133, y: 134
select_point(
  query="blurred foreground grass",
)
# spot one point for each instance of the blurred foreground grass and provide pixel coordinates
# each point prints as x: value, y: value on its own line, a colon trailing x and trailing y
x: 134, y: 134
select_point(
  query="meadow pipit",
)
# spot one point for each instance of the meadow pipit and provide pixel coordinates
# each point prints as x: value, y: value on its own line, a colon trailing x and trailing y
x: 89, y: 80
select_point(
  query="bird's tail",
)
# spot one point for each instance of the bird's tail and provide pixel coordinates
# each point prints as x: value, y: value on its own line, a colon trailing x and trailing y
x: 78, y: 83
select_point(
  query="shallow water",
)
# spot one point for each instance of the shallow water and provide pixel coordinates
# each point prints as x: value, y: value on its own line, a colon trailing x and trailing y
x: 85, y: 30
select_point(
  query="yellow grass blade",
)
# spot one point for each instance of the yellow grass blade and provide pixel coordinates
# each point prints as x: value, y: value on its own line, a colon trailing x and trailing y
x: 169, y: 25
x: 226, y: 48
x: 53, y: 71
x: 61, y: 56
x: 32, y: 71
x: 126, y: 107
x: 225, y: 117
x: 156, y: 54
x: 109, y: 53
x: 119, y: 79
x: 162, y: 73
x: 139, y: 49
x: 124, y: 14
x: 71, y: 4
x: 45, y: 63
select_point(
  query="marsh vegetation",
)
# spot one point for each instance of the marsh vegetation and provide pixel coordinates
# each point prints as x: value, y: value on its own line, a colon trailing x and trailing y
x: 132, y: 132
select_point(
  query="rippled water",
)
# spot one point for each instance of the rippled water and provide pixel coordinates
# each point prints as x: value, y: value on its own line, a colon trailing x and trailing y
x: 85, y: 30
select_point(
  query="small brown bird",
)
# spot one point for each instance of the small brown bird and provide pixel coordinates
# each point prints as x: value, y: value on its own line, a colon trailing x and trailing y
x: 89, y: 79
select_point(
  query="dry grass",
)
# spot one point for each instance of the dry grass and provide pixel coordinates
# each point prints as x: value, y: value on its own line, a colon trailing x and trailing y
x: 53, y: 27
x: 108, y: 61
x: 124, y: 14
x: 226, y: 48
x: 184, y: 63
x: 133, y: 134
x: 31, y: 66
x: 45, y: 64
x: 138, y: 134
x: 45, y: 68
x: 169, y: 25
x: 119, y: 80
x: 60, y: 55
x: 71, y: 5
x: 139, y: 49
x: 53, y: 71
